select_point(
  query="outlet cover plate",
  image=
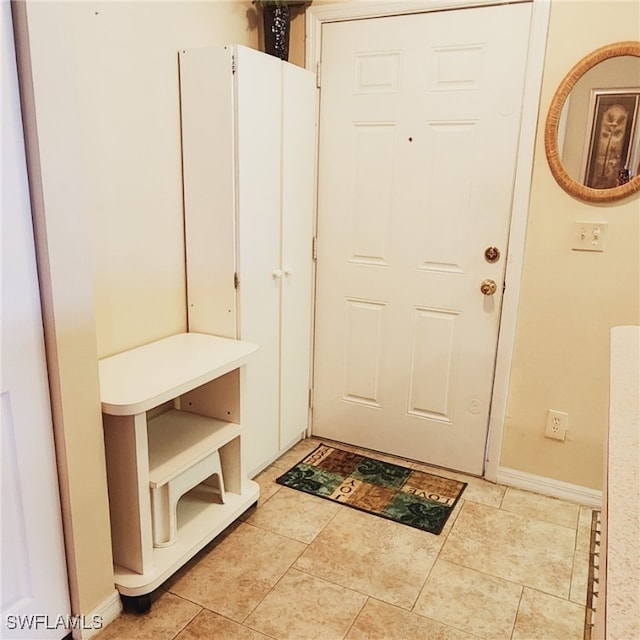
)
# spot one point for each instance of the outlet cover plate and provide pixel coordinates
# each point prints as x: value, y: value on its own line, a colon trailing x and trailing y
x: 557, y: 423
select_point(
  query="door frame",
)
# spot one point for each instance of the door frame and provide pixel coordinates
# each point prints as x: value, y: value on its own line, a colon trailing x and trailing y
x: 316, y: 17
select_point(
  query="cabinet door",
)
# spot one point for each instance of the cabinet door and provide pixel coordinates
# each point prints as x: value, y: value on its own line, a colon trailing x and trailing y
x: 208, y: 158
x: 298, y: 181
x: 258, y: 132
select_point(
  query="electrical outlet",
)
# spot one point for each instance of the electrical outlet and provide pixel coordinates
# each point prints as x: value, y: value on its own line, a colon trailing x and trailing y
x: 557, y: 423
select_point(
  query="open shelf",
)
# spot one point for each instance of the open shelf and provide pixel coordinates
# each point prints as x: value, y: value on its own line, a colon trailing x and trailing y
x: 179, y: 439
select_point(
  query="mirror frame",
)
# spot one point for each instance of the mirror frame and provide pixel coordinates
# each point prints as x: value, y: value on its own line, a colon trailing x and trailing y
x: 571, y: 186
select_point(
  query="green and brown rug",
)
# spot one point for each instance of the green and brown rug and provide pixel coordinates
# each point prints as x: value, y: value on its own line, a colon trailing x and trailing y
x: 416, y: 498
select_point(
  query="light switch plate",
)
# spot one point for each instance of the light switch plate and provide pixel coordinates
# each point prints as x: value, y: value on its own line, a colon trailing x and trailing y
x: 589, y: 236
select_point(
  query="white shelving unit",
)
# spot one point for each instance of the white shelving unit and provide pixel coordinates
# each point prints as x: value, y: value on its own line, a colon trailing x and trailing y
x: 171, y: 413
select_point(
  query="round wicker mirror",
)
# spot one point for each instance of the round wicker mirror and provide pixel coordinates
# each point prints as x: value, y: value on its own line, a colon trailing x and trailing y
x: 581, y: 189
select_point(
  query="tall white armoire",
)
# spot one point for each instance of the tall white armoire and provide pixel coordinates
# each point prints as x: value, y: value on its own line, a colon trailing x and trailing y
x: 248, y: 136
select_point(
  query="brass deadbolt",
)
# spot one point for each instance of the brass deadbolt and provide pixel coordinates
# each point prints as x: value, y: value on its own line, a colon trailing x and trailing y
x: 492, y: 254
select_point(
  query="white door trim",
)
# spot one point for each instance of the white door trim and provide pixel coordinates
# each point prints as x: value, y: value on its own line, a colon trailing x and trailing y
x: 336, y: 12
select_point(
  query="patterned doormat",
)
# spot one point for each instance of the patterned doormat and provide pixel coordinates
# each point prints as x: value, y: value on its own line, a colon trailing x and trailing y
x: 411, y: 497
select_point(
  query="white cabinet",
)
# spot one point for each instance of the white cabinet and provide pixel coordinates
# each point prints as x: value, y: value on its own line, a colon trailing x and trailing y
x: 171, y: 413
x: 248, y: 135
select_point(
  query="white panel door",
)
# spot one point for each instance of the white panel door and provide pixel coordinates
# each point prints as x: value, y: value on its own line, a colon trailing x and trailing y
x: 419, y: 124
x: 34, y: 578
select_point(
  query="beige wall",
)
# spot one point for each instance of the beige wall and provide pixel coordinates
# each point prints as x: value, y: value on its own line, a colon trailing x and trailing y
x: 59, y: 205
x: 127, y: 78
x: 570, y: 299
x: 100, y: 92
x: 105, y: 132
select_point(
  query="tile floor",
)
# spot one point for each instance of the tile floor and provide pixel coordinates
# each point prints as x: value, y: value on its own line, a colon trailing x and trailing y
x: 509, y: 565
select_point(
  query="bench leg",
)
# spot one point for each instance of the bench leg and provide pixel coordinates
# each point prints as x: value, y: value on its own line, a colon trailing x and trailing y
x: 140, y: 604
x: 161, y: 516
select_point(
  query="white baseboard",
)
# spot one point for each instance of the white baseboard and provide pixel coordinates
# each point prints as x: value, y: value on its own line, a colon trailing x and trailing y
x: 95, y: 621
x: 549, y: 487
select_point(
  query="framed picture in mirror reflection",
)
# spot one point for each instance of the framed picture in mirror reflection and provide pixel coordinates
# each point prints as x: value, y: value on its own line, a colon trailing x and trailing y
x: 614, y: 138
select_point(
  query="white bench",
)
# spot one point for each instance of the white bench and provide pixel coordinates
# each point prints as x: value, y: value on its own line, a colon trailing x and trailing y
x: 171, y: 414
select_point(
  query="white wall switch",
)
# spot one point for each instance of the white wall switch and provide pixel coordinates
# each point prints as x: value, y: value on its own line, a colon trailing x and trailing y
x: 589, y: 236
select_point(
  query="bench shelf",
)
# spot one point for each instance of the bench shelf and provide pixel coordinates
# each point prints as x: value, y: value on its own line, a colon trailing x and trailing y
x: 179, y: 439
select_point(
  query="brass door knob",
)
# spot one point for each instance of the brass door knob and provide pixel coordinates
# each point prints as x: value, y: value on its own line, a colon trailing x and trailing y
x: 488, y: 287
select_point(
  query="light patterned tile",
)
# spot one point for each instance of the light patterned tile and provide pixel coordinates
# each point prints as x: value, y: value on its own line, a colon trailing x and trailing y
x: 452, y: 520
x: 296, y: 453
x: 545, y: 617
x: 238, y: 572
x: 583, y: 539
x: 294, y: 514
x: 384, y: 559
x: 513, y: 547
x: 203, y: 553
x: 382, y: 621
x: 470, y: 601
x: 482, y: 491
x: 167, y: 616
x: 477, y: 489
x: 301, y: 607
x: 210, y: 625
x: 580, y: 578
x: 541, y: 507
x: 267, y: 482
